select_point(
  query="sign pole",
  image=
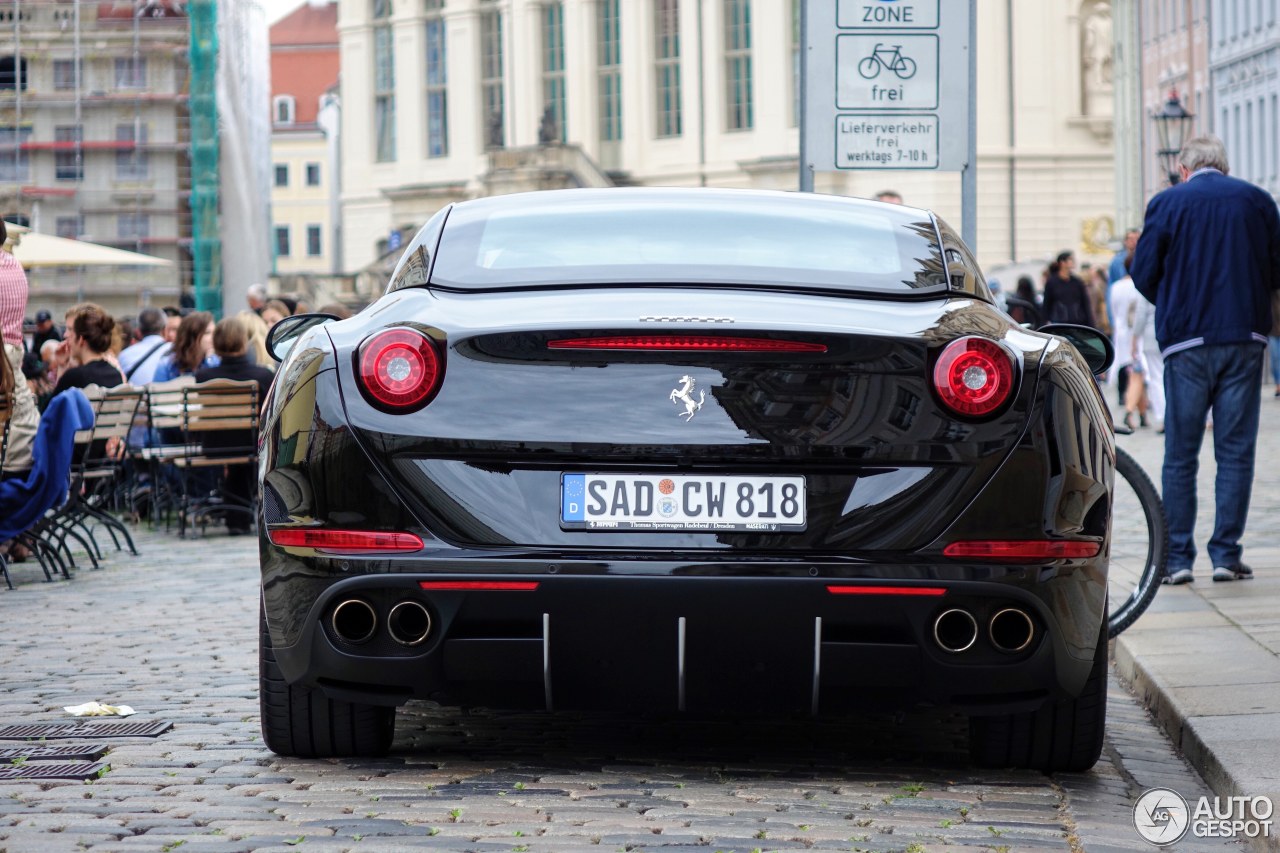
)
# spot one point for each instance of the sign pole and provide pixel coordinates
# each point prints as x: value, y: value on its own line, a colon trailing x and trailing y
x: 806, y: 169
x: 969, y: 175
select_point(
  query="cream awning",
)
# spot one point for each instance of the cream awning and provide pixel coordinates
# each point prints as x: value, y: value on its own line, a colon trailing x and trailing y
x: 44, y: 250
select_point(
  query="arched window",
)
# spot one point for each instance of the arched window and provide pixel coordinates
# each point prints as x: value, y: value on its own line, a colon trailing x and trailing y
x: 282, y: 109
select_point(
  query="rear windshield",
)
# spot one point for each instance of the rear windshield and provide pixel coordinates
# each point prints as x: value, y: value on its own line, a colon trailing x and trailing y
x: 786, y: 239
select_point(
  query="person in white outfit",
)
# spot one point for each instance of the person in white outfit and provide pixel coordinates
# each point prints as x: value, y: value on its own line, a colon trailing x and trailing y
x: 1124, y: 301
x: 1144, y: 333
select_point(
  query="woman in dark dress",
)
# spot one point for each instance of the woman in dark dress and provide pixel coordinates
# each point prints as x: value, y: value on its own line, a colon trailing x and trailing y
x: 88, y: 340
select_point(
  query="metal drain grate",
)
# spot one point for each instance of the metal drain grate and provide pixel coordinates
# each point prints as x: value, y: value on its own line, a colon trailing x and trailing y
x: 35, y: 731
x: 45, y: 770
x: 86, y: 751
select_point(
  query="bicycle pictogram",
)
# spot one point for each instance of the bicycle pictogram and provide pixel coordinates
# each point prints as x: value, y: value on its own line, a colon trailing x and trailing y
x: 888, y: 58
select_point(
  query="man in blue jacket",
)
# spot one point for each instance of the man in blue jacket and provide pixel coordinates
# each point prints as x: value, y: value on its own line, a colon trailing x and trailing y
x: 1209, y: 258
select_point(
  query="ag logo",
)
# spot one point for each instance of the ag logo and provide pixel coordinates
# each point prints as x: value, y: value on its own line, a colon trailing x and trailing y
x: 1161, y: 816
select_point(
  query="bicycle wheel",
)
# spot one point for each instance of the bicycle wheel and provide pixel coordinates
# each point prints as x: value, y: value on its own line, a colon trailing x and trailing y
x: 1139, y: 544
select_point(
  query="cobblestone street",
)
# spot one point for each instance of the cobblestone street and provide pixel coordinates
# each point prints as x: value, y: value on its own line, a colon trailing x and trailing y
x: 172, y: 633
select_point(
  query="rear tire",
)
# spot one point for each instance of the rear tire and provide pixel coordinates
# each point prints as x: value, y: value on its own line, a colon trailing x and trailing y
x: 1059, y: 736
x: 304, y: 723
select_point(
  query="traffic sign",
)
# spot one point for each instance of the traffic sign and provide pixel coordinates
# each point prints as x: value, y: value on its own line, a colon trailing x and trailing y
x: 886, y: 85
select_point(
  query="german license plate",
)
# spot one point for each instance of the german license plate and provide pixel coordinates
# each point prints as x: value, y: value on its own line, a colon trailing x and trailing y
x: 681, y: 502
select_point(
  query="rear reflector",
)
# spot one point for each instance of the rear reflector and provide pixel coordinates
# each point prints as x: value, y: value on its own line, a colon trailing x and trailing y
x: 484, y: 586
x: 707, y: 343
x: 1026, y: 549
x: 886, y: 590
x: 362, y: 541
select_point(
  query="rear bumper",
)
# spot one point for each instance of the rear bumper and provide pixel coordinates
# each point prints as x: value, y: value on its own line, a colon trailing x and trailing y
x: 734, y: 645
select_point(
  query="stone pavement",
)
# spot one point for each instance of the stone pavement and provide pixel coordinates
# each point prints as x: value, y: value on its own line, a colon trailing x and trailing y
x: 173, y: 633
x: 1206, y: 656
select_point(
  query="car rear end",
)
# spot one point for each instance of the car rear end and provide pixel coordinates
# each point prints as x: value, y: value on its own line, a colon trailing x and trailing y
x: 685, y: 494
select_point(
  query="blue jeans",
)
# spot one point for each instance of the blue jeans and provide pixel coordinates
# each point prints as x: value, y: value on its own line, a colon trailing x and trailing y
x: 1223, y: 379
x: 1275, y: 359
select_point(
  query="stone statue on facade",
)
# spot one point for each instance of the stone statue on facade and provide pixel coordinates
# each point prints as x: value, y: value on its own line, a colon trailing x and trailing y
x: 1096, y: 63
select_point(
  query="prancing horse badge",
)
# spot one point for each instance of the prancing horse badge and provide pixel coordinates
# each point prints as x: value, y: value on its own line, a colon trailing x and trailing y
x: 684, y: 394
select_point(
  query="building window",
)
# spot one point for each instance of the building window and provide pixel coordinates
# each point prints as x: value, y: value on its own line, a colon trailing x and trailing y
x: 13, y: 73
x: 131, y: 73
x: 313, y: 174
x: 609, y: 69
x: 282, y: 241
x: 14, y: 165
x: 437, y: 79
x: 132, y: 163
x: 64, y: 73
x: 492, y: 97
x: 313, y: 241
x: 283, y: 109
x: 553, y: 95
x: 666, y: 52
x: 68, y: 162
x: 70, y: 227
x: 737, y: 65
x: 384, y: 84
x: 281, y: 174
x: 133, y: 226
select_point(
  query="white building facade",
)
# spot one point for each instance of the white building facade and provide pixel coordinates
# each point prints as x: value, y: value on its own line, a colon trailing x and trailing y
x: 1244, y: 69
x: 436, y: 94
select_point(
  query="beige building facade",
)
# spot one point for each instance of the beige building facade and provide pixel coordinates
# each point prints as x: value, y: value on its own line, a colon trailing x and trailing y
x: 449, y: 99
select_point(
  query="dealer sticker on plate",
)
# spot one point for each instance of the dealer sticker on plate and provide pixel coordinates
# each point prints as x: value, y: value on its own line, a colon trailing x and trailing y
x: 681, y: 502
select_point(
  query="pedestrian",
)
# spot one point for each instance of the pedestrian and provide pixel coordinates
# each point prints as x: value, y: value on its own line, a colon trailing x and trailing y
x: 139, y: 361
x: 1275, y: 339
x: 45, y: 331
x: 1118, y: 269
x: 1096, y: 284
x: 889, y: 196
x: 1209, y: 258
x: 192, y: 347
x: 90, y: 330
x: 231, y: 344
x: 1066, y: 299
x: 274, y: 312
x: 24, y: 416
x: 257, y: 330
x: 256, y: 296
x: 1128, y: 345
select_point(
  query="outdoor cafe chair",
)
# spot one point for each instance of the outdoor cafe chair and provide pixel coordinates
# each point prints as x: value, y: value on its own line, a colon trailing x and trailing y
x: 219, y: 429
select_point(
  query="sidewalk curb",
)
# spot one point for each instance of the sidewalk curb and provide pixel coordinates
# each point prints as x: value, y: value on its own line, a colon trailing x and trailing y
x: 1196, y: 745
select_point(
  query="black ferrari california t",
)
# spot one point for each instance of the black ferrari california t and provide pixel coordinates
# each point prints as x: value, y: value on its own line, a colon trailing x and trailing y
x: 686, y: 451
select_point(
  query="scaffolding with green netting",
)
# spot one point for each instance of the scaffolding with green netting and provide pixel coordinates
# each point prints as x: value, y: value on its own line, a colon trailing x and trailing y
x: 206, y: 243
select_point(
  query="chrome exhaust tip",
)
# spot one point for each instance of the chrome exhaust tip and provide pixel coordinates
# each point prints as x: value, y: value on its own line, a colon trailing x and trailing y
x: 354, y: 620
x: 955, y: 630
x: 409, y: 623
x: 1011, y: 630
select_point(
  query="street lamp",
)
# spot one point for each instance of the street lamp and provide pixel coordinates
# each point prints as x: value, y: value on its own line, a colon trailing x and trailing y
x: 1172, y: 124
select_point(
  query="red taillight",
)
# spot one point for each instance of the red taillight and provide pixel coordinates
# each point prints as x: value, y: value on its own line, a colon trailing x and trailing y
x: 973, y: 376
x: 835, y: 589
x: 399, y: 370
x: 345, y: 541
x: 709, y: 343
x: 482, y: 586
x: 1023, y: 549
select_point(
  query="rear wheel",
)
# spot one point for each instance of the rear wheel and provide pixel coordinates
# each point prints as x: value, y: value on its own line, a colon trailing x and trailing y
x: 303, y: 722
x: 1059, y: 736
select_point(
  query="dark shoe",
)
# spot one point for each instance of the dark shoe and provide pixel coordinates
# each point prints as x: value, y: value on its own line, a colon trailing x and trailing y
x: 1181, y: 576
x: 1238, y: 572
